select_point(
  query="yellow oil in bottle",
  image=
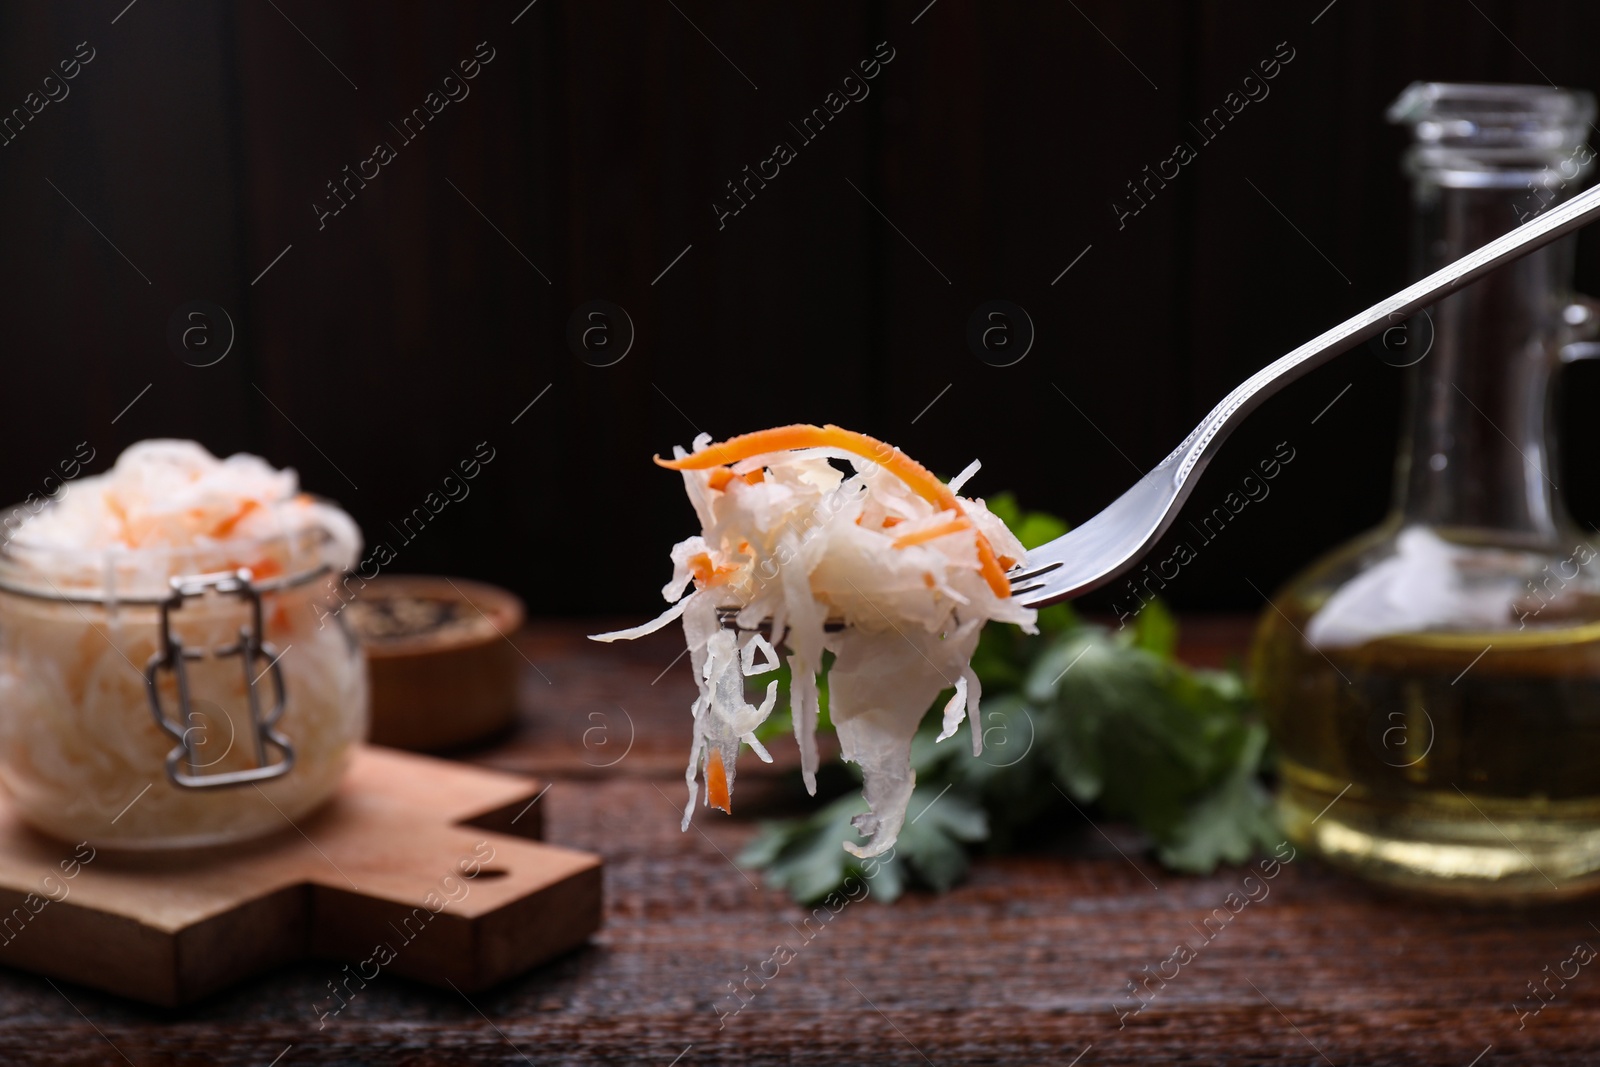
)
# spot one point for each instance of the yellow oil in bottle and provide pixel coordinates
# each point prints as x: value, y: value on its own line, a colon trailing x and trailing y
x: 1463, y: 764
x: 1433, y: 686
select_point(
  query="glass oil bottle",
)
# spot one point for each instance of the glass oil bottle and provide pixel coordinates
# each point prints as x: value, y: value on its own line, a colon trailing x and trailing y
x: 1433, y: 687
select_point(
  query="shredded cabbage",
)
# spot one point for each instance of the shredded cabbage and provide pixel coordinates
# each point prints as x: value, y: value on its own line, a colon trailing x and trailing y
x: 793, y: 541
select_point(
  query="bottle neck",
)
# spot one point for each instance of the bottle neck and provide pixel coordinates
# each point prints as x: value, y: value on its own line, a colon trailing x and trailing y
x: 1478, y: 454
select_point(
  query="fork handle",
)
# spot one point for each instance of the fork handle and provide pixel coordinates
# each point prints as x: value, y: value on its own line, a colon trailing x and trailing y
x: 1550, y: 226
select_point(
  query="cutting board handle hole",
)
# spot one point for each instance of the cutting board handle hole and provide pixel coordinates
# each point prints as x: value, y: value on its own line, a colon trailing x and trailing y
x: 491, y: 872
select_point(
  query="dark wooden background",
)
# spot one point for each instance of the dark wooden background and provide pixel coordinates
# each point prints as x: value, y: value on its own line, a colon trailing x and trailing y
x: 379, y: 351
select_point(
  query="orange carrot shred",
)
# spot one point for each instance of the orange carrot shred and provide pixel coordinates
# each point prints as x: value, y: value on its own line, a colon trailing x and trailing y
x: 783, y: 438
x: 226, y: 526
x: 720, y: 478
x: 932, y: 533
x: 717, y: 783
x: 918, y: 478
x: 705, y: 572
x: 755, y: 477
x: 892, y: 520
x: 992, y: 572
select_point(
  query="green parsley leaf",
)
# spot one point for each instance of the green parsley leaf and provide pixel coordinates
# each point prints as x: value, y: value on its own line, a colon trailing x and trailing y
x: 1107, y: 719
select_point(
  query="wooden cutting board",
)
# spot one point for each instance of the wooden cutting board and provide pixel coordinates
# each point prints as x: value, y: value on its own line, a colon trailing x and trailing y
x: 417, y: 867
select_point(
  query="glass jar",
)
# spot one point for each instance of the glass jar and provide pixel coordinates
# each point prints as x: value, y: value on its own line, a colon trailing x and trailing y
x: 1434, y: 686
x: 174, y: 697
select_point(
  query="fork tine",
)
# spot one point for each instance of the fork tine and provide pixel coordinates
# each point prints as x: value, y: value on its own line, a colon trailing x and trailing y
x: 1096, y: 552
x: 1024, y: 573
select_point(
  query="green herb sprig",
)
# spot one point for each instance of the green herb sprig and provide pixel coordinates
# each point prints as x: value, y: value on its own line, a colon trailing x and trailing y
x: 1076, y: 716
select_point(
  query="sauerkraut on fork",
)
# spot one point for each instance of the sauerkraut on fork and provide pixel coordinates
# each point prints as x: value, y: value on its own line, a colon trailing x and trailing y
x: 885, y: 567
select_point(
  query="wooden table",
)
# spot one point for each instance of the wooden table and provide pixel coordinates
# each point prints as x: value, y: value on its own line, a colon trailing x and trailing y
x: 1024, y: 963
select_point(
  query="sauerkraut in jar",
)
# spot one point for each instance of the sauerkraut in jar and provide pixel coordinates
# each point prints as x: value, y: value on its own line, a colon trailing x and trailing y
x: 166, y: 677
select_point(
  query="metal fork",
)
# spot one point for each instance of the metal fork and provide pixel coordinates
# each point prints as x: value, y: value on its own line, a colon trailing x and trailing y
x: 1113, y: 541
